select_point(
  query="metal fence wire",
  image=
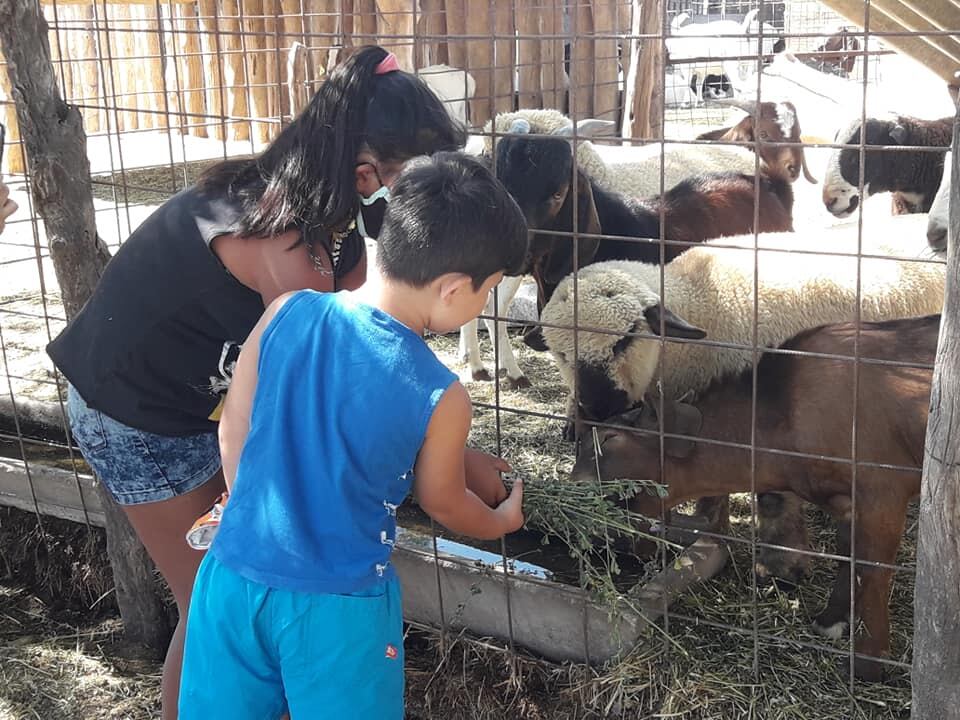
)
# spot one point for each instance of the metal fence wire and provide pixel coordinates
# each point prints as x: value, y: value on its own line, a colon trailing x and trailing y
x: 170, y: 87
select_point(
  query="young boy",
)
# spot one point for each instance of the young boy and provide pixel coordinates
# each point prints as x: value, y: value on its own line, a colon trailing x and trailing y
x: 335, y: 409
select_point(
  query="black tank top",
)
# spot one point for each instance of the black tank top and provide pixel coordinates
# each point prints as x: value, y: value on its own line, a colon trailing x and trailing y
x: 155, y: 345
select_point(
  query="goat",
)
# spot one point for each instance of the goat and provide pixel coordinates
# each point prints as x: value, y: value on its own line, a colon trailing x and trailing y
x: 768, y: 122
x: 913, y: 175
x: 842, y: 65
x: 453, y: 86
x: 938, y: 224
x: 803, y: 405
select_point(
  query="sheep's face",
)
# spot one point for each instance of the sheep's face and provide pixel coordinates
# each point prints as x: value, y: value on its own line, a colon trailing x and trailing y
x: 939, y: 220
x: 841, y: 192
x: 614, y: 358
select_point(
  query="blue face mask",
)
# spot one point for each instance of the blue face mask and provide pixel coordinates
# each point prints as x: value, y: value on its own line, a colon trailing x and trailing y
x: 372, y: 210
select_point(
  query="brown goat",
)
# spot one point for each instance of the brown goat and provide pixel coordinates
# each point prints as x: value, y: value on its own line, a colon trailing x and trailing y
x: 768, y: 122
x: 804, y: 405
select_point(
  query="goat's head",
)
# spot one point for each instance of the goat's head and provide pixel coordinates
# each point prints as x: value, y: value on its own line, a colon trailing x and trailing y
x: 539, y: 173
x: 633, y: 449
x: 938, y: 224
x: 769, y: 122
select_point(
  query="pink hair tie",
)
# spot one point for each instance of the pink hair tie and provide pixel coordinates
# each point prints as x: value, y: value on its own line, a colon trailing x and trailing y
x: 388, y: 64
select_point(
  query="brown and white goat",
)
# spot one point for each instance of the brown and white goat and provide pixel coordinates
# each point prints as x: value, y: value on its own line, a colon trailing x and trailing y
x: 768, y: 122
x: 805, y: 405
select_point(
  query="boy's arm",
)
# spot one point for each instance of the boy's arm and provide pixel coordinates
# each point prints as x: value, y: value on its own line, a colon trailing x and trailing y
x: 237, y: 406
x: 440, y: 484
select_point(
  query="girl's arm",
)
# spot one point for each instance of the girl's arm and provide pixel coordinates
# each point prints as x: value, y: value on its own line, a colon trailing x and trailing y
x: 238, y: 405
x: 440, y: 483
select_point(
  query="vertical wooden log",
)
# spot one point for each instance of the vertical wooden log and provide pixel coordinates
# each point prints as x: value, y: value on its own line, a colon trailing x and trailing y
x: 646, y: 121
x: 213, y: 62
x: 150, y: 39
x: 936, y: 607
x: 529, y: 58
x: 89, y: 72
x: 60, y: 51
x: 325, y: 23
x: 12, y: 154
x: 582, y: 59
x: 292, y: 22
x: 56, y: 149
x: 234, y: 72
x: 504, y: 54
x: 455, y: 19
x: 125, y: 67
x: 395, y: 29
x: 479, y: 60
x: 432, y: 28
x: 552, y: 76
x: 275, y: 72
x: 256, y: 66
x: 297, y: 78
x: 364, y: 22
x: 191, y: 68
x: 607, y: 24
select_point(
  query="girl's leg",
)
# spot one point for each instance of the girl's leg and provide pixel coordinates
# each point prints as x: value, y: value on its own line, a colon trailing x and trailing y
x: 162, y: 527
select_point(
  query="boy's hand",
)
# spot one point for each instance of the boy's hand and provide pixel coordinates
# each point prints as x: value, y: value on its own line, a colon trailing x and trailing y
x: 482, y: 474
x: 7, y: 206
x: 511, y: 509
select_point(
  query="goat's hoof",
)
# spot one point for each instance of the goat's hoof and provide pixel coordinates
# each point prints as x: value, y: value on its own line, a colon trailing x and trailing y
x: 830, y: 626
x: 481, y: 376
x: 518, y: 383
x: 782, y: 566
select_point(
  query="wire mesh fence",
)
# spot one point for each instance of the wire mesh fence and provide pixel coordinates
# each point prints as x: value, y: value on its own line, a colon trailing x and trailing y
x: 168, y: 88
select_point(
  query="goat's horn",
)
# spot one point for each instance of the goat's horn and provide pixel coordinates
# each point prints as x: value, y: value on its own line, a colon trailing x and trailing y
x: 749, y: 106
x: 591, y: 127
x: 520, y: 126
x: 806, y: 171
x: 749, y: 18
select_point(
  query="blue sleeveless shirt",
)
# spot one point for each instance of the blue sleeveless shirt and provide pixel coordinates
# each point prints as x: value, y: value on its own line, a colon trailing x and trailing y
x: 343, y: 399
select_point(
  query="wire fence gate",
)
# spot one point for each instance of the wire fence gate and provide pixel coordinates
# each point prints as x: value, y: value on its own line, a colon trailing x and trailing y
x: 168, y: 88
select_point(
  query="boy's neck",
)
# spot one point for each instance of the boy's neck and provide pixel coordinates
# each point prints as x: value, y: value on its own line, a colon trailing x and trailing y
x: 404, y: 303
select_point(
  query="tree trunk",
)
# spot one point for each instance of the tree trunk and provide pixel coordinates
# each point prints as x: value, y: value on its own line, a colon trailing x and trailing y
x: 646, y: 121
x: 56, y: 155
x: 936, y: 641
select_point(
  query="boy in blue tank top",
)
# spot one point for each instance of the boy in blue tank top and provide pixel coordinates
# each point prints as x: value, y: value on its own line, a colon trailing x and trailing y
x: 337, y: 409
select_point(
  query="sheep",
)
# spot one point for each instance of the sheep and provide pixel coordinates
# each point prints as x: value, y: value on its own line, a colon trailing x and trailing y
x: 938, y: 222
x: 453, y: 86
x: 803, y: 405
x: 709, y: 292
x: 912, y: 175
x: 634, y: 179
x: 768, y: 122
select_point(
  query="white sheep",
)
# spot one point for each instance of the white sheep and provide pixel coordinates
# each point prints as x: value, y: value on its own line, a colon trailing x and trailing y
x: 453, y: 86
x: 938, y: 222
x: 639, y: 178
x: 710, y: 290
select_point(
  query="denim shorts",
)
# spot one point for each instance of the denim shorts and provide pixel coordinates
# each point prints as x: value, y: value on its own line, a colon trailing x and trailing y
x: 137, y: 466
x: 253, y: 652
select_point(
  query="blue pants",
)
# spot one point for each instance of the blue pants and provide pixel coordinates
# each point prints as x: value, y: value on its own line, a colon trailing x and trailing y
x: 256, y: 652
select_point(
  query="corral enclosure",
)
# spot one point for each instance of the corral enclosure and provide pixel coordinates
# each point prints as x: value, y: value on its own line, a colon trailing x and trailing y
x: 167, y: 88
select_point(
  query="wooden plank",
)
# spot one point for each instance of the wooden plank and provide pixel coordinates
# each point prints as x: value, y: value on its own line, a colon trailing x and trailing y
x: 479, y: 59
x: 606, y: 92
x: 529, y: 58
x: 648, y: 95
x: 59, y: 493
x: 395, y: 30
x: 582, y: 60
x: 149, y: 35
x: 89, y: 69
x: 256, y: 59
x: 275, y: 72
x: 13, y: 153
x: 432, y: 31
x: 553, y: 78
x: 504, y: 55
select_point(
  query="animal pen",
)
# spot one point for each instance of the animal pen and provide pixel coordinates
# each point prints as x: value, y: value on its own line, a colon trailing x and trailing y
x: 593, y: 610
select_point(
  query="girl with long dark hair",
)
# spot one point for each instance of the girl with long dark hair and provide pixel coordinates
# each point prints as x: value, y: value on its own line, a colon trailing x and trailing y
x: 151, y: 354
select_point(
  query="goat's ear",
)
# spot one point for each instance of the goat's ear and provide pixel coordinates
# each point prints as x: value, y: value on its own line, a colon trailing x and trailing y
x: 681, y: 419
x: 560, y: 261
x: 799, y: 133
x: 898, y: 133
x: 673, y: 324
x: 714, y: 134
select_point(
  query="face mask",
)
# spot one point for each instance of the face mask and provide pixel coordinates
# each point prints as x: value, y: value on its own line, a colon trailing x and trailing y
x: 372, y: 210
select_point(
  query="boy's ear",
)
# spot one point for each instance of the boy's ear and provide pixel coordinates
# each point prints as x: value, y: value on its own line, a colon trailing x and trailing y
x: 451, y: 283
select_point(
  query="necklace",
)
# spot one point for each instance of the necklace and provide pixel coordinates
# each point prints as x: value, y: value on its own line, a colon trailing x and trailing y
x: 338, y: 236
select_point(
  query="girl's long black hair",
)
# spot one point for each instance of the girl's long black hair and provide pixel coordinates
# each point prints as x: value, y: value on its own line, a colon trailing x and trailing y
x: 306, y: 178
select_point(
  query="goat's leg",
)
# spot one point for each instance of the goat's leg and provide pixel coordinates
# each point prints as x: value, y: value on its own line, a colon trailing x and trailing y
x: 832, y: 622
x: 470, y: 351
x: 503, y: 350
x: 781, y: 521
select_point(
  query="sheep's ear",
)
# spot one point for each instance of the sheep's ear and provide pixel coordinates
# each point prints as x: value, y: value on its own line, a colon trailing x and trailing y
x: 673, y: 325
x: 898, y: 133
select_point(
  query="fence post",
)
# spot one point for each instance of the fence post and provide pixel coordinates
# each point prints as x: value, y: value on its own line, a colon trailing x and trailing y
x: 936, y: 638
x: 60, y: 181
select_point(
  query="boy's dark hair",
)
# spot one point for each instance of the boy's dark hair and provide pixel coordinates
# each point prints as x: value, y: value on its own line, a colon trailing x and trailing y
x: 306, y: 178
x: 448, y: 213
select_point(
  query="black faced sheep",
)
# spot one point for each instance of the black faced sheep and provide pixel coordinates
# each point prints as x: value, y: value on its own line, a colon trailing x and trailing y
x: 803, y: 405
x: 913, y: 175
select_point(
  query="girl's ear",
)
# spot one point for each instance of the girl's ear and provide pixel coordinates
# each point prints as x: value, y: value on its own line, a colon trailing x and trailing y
x: 367, y: 181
